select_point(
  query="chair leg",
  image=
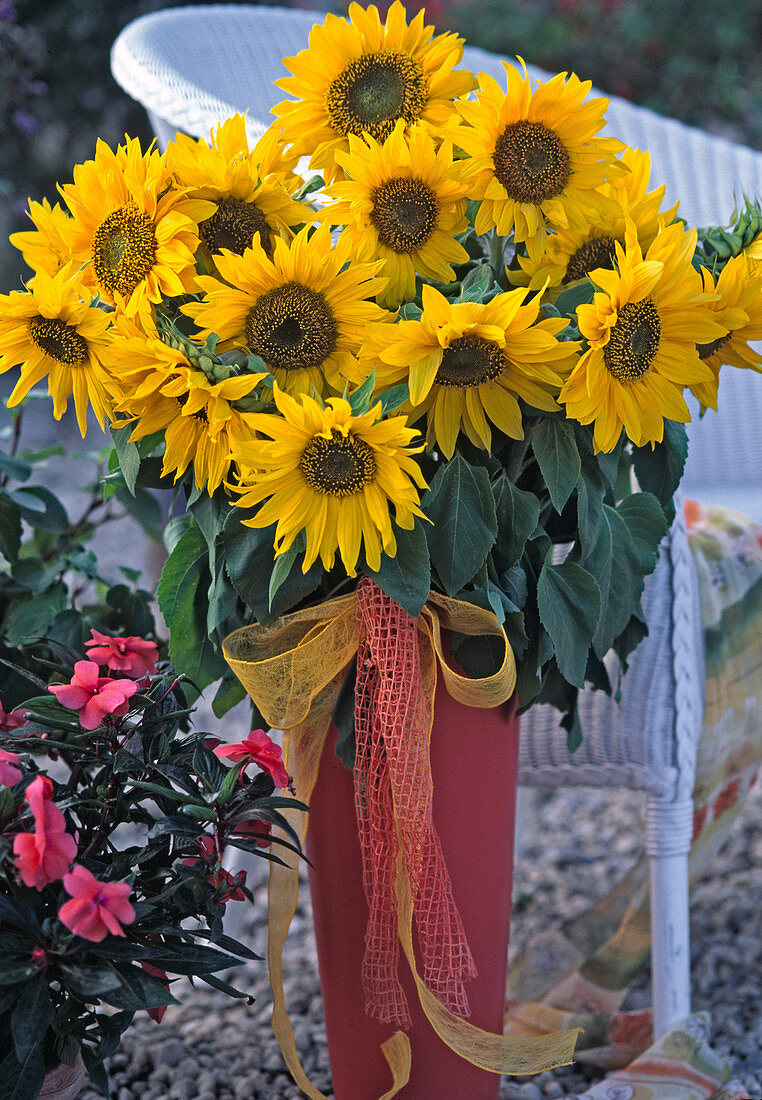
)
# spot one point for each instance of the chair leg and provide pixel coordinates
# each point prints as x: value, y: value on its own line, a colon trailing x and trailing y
x: 669, y: 827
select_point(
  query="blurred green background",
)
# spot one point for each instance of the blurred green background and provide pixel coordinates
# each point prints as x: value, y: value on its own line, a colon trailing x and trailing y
x: 697, y: 62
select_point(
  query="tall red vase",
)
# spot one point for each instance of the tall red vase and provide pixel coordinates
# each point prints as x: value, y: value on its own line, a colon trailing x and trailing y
x: 474, y: 762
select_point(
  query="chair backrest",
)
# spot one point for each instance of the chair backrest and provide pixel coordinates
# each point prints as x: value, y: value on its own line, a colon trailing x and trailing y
x: 193, y: 67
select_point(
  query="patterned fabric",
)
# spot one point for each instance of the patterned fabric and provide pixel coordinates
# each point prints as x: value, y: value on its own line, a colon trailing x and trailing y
x: 577, y: 974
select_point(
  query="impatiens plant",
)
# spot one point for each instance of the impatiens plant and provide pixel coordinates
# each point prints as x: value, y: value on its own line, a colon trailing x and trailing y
x: 115, y: 815
x: 114, y: 822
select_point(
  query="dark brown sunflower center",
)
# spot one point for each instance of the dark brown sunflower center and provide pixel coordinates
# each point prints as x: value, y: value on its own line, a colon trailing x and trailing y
x: 470, y: 361
x: 598, y: 252
x: 404, y: 213
x: 124, y: 250
x: 375, y: 90
x: 200, y: 414
x: 234, y: 225
x: 59, y: 340
x: 706, y: 351
x: 633, y: 341
x: 291, y: 327
x: 339, y: 466
x: 530, y: 162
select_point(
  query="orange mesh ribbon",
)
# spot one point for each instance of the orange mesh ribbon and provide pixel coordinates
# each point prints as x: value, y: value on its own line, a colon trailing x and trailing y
x: 293, y: 670
x: 393, y: 795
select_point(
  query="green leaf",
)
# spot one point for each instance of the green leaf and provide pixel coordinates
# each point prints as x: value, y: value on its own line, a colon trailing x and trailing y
x: 659, y: 470
x: 131, y: 610
x: 344, y: 719
x: 476, y: 284
x: 41, y: 509
x: 210, y: 514
x: 589, y: 511
x: 182, y: 597
x: 555, y: 449
x: 580, y: 294
x: 23, y: 1081
x: 88, y: 982
x: 647, y: 525
x: 249, y: 561
x: 360, y: 399
x: 14, y: 970
x: 410, y: 312
x: 208, y: 768
x: 174, y: 530
x: 95, y: 1069
x: 517, y: 515
x: 15, y: 467
x: 221, y: 601
x: 615, y: 563
x: 67, y: 1048
x: 137, y: 989
x: 31, y: 1016
x: 144, y: 507
x: 128, y: 455
x: 68, y: 628
x: 174, y: 826
x: 394, y: 397
x: 30, y: 618
x: 571, y: 723
x: 10, y: 528
x: 460, y: 503
x: 569, y: 602
x: 229, y: 693
x: 284, y: 563
x: 407, y: 576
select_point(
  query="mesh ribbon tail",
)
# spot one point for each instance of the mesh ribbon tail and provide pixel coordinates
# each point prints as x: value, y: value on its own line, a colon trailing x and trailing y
x: 393, y: 791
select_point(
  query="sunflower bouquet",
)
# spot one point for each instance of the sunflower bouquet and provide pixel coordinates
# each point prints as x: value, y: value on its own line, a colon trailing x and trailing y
x: 450, y: 364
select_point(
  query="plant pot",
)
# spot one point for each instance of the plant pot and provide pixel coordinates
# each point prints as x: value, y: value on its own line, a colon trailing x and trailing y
x: 64, y: 1082
x: 474, y: 761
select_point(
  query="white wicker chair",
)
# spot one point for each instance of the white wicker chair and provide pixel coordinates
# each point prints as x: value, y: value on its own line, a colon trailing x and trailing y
x: 193, y: 67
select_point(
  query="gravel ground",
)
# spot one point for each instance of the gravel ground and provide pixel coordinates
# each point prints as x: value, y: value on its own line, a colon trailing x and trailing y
x: 212, y: 1048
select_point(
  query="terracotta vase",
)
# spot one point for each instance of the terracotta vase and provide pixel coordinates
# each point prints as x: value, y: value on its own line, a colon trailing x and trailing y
x: 64, y: 1082
x: 474, y: 759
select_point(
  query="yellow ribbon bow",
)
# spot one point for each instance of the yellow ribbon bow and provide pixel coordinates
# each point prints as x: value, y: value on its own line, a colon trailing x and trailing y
x: 293, y: 670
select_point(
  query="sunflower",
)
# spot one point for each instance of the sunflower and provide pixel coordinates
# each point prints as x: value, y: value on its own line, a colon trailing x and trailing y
x: 162, y: 390
x: 250, y: 189
x: 467, y: 363
x: 44, y: 248
x: 53, y: 330
x: 403, y: 203
x: 361, y: 76
x: 136, y: 234
x: 642, y: 329
x: 739, y: 309
x: 299, y: 311
x: 569, y: 255
x: 535, y: 159
x: 334, y: 476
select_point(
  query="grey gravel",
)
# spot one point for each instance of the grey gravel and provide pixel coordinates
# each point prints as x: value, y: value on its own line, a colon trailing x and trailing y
x: 236, y: 1057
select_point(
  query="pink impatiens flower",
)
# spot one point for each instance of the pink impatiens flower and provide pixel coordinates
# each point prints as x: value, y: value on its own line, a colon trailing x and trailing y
x: 11, y: 719
x: 94, y: 696
x: 260, y: 830
x: 260, y: 749
x: 46, y: 854
x: 96, y: 908
x: 9, y: 773
x: 133, y: 656
x: 218, y: 876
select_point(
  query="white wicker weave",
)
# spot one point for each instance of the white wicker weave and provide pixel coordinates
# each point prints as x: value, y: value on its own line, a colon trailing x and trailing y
x: 194, y: 67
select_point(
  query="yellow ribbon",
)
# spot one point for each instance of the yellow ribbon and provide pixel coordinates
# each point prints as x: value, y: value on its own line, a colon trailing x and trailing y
x: 293, y: 670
